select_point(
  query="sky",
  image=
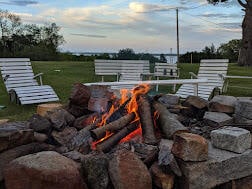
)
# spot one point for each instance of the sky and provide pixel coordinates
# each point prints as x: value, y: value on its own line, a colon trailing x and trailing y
x: 143, y: 25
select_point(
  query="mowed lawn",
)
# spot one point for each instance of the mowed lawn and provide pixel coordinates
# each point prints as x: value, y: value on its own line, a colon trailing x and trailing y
x: 62, y: 75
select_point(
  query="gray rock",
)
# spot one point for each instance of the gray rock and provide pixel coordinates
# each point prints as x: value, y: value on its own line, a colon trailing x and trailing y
x: 95, y: 167
x: 60, y: 118
x: 221, y: 167
x: 39, y: 123
x: 166, y: 159
x: 243, y: 110
x: 63, y: 137
x: 232, y: 139
x: 217, y: 119
x: 14, y: 134
x: 221, y: 103
x: 169, y: 100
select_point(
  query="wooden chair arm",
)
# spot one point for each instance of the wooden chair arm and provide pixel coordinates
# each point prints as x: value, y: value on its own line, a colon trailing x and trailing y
x: 40, y: 77
x: 193, y: 75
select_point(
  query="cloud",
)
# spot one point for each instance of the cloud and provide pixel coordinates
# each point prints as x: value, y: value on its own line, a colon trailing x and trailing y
x: 89, y: 35
x: 145, y: 7
x: 219, y: 15
x: 19, y: 3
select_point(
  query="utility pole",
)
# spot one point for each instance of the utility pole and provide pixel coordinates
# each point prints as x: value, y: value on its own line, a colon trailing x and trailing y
x: 177, y: 36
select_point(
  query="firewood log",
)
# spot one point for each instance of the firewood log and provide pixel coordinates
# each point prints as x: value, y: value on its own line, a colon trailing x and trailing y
x: 114, y: 126
x: 108, y: 144
x: 168, y: 124
x: 144, y: 111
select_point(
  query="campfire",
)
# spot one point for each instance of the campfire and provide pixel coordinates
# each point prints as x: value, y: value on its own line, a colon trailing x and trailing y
x: 134, y: 116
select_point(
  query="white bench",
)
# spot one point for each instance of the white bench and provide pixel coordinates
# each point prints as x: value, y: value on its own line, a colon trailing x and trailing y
x: 166, y: 70
x: 21, y: 82
x: 123, y: 69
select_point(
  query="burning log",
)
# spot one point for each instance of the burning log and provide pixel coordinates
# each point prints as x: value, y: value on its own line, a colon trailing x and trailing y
x: 144, y: 110
x: 112, y: 127
x: 108, y: 144
x: 120, y: 112
x: 167, y: 122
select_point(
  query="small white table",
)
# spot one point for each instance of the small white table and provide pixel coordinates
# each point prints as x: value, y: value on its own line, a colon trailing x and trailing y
x: 195, y: 82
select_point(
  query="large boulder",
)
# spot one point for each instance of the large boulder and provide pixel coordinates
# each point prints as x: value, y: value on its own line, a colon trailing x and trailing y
x: 43, y: 170
x: 126, y: 171
x: 11, y: 154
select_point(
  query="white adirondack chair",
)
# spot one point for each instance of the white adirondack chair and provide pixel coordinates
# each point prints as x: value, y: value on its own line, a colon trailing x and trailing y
x: 21, y: 84
x: 210, y: 69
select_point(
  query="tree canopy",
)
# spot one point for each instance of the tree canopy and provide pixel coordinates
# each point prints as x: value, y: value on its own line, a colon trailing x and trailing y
x: 28, y: 40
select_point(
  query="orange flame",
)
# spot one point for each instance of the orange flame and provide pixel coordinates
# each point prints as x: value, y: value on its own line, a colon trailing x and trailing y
x: 132, y: 106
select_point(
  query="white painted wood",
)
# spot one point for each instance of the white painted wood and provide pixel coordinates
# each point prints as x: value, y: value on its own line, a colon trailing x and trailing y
x: 19, y: 78
x: 152, y: 82
x: 208, y: 69
x: 166, y: 70
x: 120, y: 67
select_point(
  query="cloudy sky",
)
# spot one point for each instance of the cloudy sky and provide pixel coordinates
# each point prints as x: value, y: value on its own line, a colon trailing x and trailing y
x: 144, y: 25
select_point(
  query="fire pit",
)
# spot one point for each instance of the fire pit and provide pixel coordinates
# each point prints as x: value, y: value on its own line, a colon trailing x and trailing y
x: 128, y: 139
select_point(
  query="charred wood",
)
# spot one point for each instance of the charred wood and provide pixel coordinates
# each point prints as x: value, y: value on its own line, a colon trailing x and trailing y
x: 108, y: 144
x: 112, y: 127
x: 120, y: 112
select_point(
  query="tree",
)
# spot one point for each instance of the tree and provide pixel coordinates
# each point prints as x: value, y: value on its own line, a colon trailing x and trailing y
x: 9, y: 25
x: 126, y: 54
x: 245, y: 55
x: 230, y: 50
x: 162, y: 58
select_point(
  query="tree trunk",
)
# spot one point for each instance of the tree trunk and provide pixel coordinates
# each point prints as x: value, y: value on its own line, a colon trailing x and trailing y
x: 245, y: 56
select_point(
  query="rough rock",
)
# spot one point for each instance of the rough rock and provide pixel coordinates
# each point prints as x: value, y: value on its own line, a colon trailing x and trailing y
x: 217, y: 119
x: 190, y: 147
x: 126, y: 171
x: 40, y: 137
x: 221, y: 103
x: 63, y: 137
x: 60, y: 118
x: 231, y: 138
x: 74, y: 155
x: 221, y: 167
x: 14, y: 134
x: 9, y: 155
x: 243, y: 183
x: 169, y: 100
x: 243, y: 111
x: 43, y: 170
x: 84, y: 121
x: 196, y: 102
x: 196, y: 107
x: 161, y: 179
x: 95, y: 168
x: 81, y: 141
x: 39, y: 123
x: 166, y: 159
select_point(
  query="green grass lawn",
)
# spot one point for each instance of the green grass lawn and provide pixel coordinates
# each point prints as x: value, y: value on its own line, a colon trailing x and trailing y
x: 62, y: 75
